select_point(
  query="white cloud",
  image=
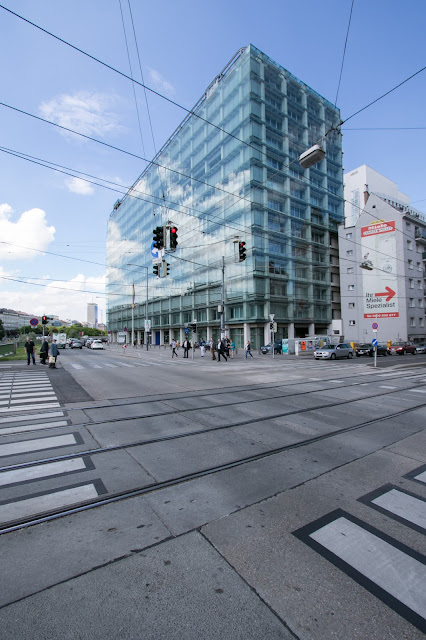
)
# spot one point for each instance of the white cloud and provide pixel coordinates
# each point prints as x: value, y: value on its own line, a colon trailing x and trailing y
x: 88, y: 113
x: 68, y: 300
x: 77, y: 185
x: 29, y: 230
x: 160, y: 83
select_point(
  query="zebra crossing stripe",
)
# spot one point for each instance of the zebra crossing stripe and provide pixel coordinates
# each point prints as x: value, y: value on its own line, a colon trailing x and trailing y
x: 32, y: 427
x: 387, y: 568
x: 46, y: 405
x: 38, y: 504
x: 40, y: 471
x: 34, y: 416
x: 28, y: 446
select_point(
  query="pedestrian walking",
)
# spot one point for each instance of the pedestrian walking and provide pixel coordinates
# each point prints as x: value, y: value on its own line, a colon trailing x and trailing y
x: 212, y: 348
x: 232, y: 349
x: 248, y: 349
x: 29, y: 348
x: 186, y: 346
x: 221, y: 350
x: 44, y: 351
x: 53, y: 354
x: 202, y: 347
x: 174, y: 345
x: 227, y: 346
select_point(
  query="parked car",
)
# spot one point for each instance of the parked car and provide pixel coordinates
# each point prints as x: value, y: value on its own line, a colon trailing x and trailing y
x: 333, y: 351
x: 401, y: 348
x: 421, y: 348
x: 97, y: 344
x: 362, y: 350
x: 76, y: 344
x: 382, y: 350
x: 268, y: 348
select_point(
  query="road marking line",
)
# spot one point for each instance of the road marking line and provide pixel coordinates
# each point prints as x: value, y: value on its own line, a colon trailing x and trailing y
x: 417, y: 390
x: 391, y: 569
x: 95, y: 366
x: 16, y: 395
x: 421, y: 477
x: 41, y: 471
x: 34, y: 416
x: 33, y: 427
x: 404, y: 506
x: 18, y: 401
x: 108, y: 364
x: 77, y: 366
x: 46, y: 405
x: 385, y: 386
x: 124, y: 364
x: 47, y: 502
x: 27, y: 446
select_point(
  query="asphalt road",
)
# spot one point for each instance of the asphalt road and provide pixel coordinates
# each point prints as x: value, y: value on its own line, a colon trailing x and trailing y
x: 259, y: 498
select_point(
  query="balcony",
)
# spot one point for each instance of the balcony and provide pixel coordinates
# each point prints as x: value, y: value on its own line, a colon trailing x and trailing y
x: 420, y: 236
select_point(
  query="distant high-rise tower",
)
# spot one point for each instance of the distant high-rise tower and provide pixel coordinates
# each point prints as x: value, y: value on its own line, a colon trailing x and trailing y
x: 92, y: 314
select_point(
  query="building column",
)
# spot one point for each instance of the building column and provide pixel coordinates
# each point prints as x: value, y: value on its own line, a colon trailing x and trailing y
x: 266, y: 334
x: 311, y: 329
x: 290, y: 330
x: 246, y: 332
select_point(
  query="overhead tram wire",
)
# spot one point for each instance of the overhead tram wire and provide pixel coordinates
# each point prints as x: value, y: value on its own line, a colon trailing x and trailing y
x: 131, y: 74
x: 189, y: 111
x: 218, y: 222
x: 343, y: 58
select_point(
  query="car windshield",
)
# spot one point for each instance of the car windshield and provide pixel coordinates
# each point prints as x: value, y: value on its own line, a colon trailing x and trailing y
x: 398, y: 344
x: 364, y: 346
x: 327, y: 346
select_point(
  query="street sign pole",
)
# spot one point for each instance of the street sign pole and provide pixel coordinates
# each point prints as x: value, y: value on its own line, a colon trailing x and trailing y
x: 271, y: 333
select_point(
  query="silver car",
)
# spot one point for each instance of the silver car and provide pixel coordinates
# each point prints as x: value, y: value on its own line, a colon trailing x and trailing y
x: 333, y: 351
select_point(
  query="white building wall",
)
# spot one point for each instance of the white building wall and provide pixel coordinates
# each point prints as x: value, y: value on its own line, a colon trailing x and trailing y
x: 389, y: 249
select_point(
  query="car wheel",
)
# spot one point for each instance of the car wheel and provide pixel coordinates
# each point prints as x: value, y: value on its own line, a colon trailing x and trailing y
x: 414, y: 352
x: 333, y: 356
x: 350, y: 354
x: 358, y: 355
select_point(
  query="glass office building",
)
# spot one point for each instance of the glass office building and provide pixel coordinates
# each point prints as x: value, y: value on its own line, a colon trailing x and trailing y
x: 231, y: 174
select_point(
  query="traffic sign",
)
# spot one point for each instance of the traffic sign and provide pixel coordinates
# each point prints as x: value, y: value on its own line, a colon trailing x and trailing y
x: 33, y: 322
x: 374, y: 342
x: 186, y: 331
x: 375, y: 326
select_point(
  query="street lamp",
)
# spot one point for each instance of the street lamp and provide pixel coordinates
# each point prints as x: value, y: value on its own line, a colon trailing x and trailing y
x: 132, y: 264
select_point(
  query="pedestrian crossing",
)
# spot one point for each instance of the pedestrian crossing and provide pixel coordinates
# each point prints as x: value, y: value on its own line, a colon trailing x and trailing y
x: 388, y: 568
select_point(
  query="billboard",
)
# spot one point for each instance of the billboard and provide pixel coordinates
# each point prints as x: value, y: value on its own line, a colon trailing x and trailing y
x: 379, y: 275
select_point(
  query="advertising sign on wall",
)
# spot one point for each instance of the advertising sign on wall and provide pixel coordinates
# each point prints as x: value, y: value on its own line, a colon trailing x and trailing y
x: 379, y: 275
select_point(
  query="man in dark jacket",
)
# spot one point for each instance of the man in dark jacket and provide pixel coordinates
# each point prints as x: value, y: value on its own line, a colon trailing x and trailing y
x: 29, y: 348
x: 221, y: 350
x: 44, y: 351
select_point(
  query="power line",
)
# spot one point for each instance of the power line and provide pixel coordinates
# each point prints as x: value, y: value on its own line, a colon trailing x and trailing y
x: 344, y: 53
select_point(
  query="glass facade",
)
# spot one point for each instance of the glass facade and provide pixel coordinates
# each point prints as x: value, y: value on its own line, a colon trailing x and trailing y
x: 215, y: 187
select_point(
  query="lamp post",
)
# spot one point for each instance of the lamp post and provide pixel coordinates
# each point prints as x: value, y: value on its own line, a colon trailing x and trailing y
x: 132, y: 264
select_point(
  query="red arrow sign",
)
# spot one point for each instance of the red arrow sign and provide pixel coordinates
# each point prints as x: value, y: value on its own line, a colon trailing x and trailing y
x: 389, y: 293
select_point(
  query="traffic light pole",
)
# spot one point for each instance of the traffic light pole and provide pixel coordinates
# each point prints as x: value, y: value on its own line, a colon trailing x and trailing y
x: 222, y: 315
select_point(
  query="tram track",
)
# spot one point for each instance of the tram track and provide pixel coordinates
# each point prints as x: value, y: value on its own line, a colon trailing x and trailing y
x: 156, y: 486
x: 205, y: 393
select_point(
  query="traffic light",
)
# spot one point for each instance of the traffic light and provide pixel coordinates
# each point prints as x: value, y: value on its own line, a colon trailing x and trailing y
x: 166, y: 268
x: 43, y: 319
x: 173, y: 238
x: 194, y: 327
x: 156, y: 270
x: 241, y: 251
x: 158, y: 237
x: 271, y: 326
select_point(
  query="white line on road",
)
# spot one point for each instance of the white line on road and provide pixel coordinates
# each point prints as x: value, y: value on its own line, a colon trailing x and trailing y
x: 34, y: 416
x: 108, y: 364
x: 41, y: 471
x: 46, y: 405
x: 46, y: 396
x: 33, y: 427
x: 32, y: 394
x: 385, y: 386
x: 49, y: 501
x: 417, y: 390
x: 77, y: 366
x: 404, y: 506
x: 397, y: 573
x: 26, y: 446
x: 421, y: 477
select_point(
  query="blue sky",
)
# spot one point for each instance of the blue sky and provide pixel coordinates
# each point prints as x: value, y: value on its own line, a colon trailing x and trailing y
x: 182, y: 46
